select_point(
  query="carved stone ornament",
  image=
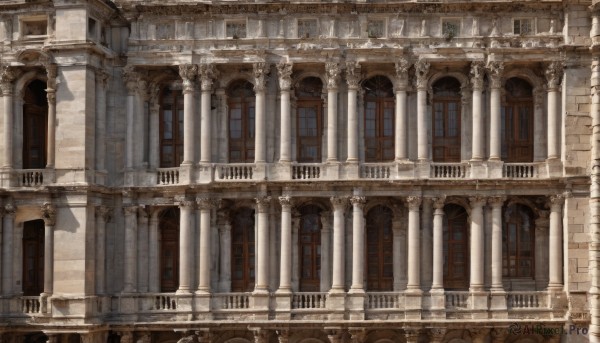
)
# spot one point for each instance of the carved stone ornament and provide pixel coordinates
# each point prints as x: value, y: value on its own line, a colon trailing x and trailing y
x: 421, y: 72
x: 126, y: 337
x: 145, y: 338
x: 495, y: 70
x: 477, y: 201
x: 102, y: 77
x: 130, y: 210
x: 339, y: 203
x: 9, y: 210
x: 496, y: 201
x: 478, y: 335
x: 437, y: 334
x: 333, y: 74
x: 187, y: 338
x: 352, y: 74
x: 207, y: 73
x: 412, y: 335
x: 104, y: 212
x: 358, y: 201
x: 185, y: 203
x: 554, y: 73
x: 261, y: 336
x: 439, y: 202
x: 556, y: 200
x: 402, y: 67
x: 260, y: 71
x: 477, y: 71
x: 263, y: 203
x: 188, y: 73
x: 48, y: 214
x: 285, y: 202
x: 285, y: 75
x: 51, y: 73
x: 8, y: 75
x: 131, y: 78
x: 207, y: 203
x: 413, y: 202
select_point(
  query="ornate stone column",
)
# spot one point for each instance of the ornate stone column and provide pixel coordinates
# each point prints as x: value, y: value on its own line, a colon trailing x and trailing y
x: 358, y: 244
x: 477, y: 244
x: 225, y: 250
x: 186, y: 245
x: 555, y: 281
x: 285, y: 272
x: 554, y: 73
x: 101, y: 83
x: 49, y: 216
x: 7, y: 76
x: 131, y: 79
x: 154, y: 126
x: 205, y: 205
x: 8, y: 226
x: 426, y: 244
x: 422, y: 74
x: 401, y: 143
x: 103, y: 215
x: 261, y: 71
x: 153, y: 253
x: 497, y: 203
x: 437, y: 283
x: 295, y: 248
x: 399, y: 252
x: 326, y: 224
x: 352, y: 78
x: 285, y: 83
x: 263, y: 205
x: 142, y: 256
x: 339, y: 206
x: 130, y: 263
x: 206, y: 74
x: 477, y: 72
x: 495, y: 69
x: 414, y: 245
x: 188, y: 73
x: 333, y: 71
x: 542, y: 232
x: 51, y: 72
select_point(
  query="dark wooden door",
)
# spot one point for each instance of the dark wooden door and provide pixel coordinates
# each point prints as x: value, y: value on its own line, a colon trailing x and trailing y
x: 518, y: 131
x: 33, y: 257
x: 379, y: 250
x: 169, y: 250
x: 35, y: 123
x: 456, y: 248
x: 309, y: 241
x: 379, y: 130
x: 446, y: 130
x: 171, y: 128
x: 243, y: 251
x: 309, y: 131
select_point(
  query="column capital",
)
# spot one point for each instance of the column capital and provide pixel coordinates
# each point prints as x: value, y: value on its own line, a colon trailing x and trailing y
x: 339, y: 203
x: 358, y: 201
x: 437, y: 334
x: 130, y: 209
x: 556, y: 200
x: 143, y: 212
x: 332, y: 70
x: 207, y: 73
x: 131, y: 78
x: 185, y: 203
x: 284, y: 70
x: 554, y: 72
x: 439, y: 202
x: 495, y: 70
x: 413, y: 202
x: 102, y: 77
x: 496, y: 201
x: 263, y: 203
x: 205, y: 203
x: 51, y: 74
x: 402, y: 66
x: 477, y: 72
x: 477, y: 201
x: 422, y: 73
x: 352, y: 74
x: 48, y: 214
x: 188, y: 73
x: 8, y: 75
x: 104, y: 212
x: 260, y: 70
x: 9, y: 210
x: 286, y: 202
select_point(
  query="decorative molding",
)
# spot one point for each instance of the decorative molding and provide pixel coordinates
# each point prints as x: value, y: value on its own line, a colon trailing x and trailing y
x: 260, y: 71
x: 188, y: 73
x: 48, y: 214
x: 284, y: 71
x: 332, y: 70
x: 495, y: 70
x: 263, y: 203
x: 207, y: 73
x: 554, y: 72
x: 477, y: 72
x: 422, y: 73
x: 352, y: 74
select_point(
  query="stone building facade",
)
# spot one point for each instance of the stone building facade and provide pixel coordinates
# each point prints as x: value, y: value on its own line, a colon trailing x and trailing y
x: 299, y: 172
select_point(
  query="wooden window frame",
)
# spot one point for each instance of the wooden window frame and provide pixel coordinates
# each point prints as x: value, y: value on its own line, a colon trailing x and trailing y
x: 246, y: 240
x: 245, y: 144
x: 35, y: 126
x: 312, y: 283
x: 380, y: 250
x: 446, y: 143
x: 176, y: 142
x: 449, y: 245
x: 510, y: 147
x: 33, y: 242
x: 506, y: 242
x: 316, y: 140
x: 380, y: 140
x: 169, y: 241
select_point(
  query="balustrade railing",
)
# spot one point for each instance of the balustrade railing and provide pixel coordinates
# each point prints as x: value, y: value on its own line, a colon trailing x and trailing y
x: 519, y: 170
x: 306, y: 300
x: 525, y: 300
x: 167, y: 176
x: 379, y: 300
x: 235, y: 171
x: 306, y: 171
x: 30, y: 177
x: 448, y: 170
x: 231, y: 301
x: 376, y: 170
x: 165, y: 302
x: 31, y: 304
x: 456, y: 300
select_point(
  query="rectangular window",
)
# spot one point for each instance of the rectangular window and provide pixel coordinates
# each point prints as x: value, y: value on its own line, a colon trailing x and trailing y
x: 376, y: 28
x: 92, y: 29
x: 307, y: 28
x: 450, y: 28
x: 235, y: 29
x: 522, y: 26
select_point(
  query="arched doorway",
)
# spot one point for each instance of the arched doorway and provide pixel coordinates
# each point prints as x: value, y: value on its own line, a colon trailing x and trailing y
x: 379, y: 119
x: 379, y: 249
x: 517, y: 121
x: 33, y: 257
x: 242, y: 119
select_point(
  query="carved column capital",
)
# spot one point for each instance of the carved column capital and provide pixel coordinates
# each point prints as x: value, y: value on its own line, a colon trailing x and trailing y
x: 263, y: 203
x: 477, y: 72
x: 477, y: 201
x: 556, y: 200
x: 104, y: 212
x: 286, y: 202
x: 413, y: 202
x: 188, y: 73
x: 48, y: 214
x: 339, y: 203
x: 8, y: 75
x: 495, y: 70
x: 332, y: 70
x: 352, y: 74
x: 10, y: 210
x: 439, y: 202
x: 284, y: 70
x: 131, y: 79
x: 207, y: 73
x: 102, y: 77
x: 422, y: 73
x: 260, y: 71
x: 358, y: 201
x: 554, y: 72
x: 496, y: 201
x: 205, y: 203
x: 402, y: 66
x: 185, y: 203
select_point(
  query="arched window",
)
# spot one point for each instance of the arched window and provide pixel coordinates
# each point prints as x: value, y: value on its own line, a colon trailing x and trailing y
x: 33, y: 257
x: 35, y: 122
x: 517, y: 121
x: 379, y: 255
x: 309, y: 127
x: 241, y: 122
x: 171, y: 127
x: 456, y: 247
x: 446, y: 120
x: 243, y: 251
x: 518, y: 242
x: 379, y: 119
x: 309, y: 241
x: 169, y: 250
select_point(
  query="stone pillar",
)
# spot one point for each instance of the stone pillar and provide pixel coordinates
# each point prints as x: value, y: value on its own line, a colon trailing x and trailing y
x: 495, y: 69
x: 426, y: 244
x: 140, y: 127
x: 477, y: 244
x: 295, y: 248
x: 225, y: 250
x: 205, y: 205
x: 325, y: 251
x: 333, y: 70
x: 154, y: 126
x: 358, y: 244
x: 422, y: 71
x: 130, y: 263
x: 142, y: 253
x: 206, y: 74
x: 285, y: 273
x: 398, y: 253
x: 49, y: 217
x: 497, y: 203
x: 339, y: 206
x: 352, y: 78
x: 401, y: 128
x: 7, y: 76
x: 594, y: 217
x: 553, y: 76
x: 437, y: 283
x: 477, y: 72
x: 103, y: 215
x: 414, y: 245
x: 261, y: 71
x: 51, y: 71
x: 8, y: 224
x: 263, y: 205
x: 186, y: 245
x: 101, y: 84
x: 188, y: 73
x: 555, y: 281
x: 542, y: 232
x: 131, y: 79
x: 153, y: 252
x: 285, y: 83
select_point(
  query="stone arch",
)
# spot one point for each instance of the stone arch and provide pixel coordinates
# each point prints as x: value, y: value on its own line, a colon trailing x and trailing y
x: 309, y: 336
x: 384, y: 336
x: 523, y: 201
x: 457, y: 336
x: 379, y: 72
x: 228, y: 78
x: 320, y: 203
x: 33, y: 57
x: 461, y: 77
x: 234, y: 336
x: 528, y: 75
x: 24, y: 80
x: 460, y: 201
x: 309, y: 73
